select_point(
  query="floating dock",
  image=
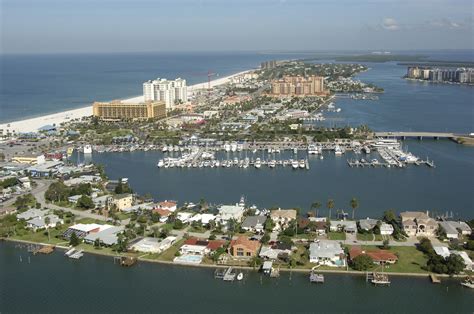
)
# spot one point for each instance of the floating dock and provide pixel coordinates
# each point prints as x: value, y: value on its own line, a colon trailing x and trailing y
x: 227, y: 274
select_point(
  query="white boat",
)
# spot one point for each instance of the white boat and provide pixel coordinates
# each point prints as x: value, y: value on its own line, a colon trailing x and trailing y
x: 302, y: 164
x: 338, y: 110
x: 295, y: 150
x: 161, y: 163
x: 366, y: 149
x: 87, y: 149
x: 258, y: 163
x: 468, y: 282
x: 227, y: 147
x: 240, y: 276
x: 233, y: 147
x: 164, y: 149
x: 295, y: 164
x: 321, y: 157
x: 337, y: 150
x: 312, y: 149
x: 272, y: 163
x: 242, y: 201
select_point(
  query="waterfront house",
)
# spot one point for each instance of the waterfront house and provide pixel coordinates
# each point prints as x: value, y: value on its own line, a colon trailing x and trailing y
x: 446, y: 252
x: 227, y: 212
x: 242, y: 247
x: 107, y: 236
x: 82, y: 230
x: 275, y: 251
x: 327, y: 252
x: 368, y: 224
x: 138, y: 207
x: 195, y: 246
x: 254, y: 223
x: 40, y: 222
x: 204, y: 219
x: 184, y: 217
x: 343, y: 225
x: 167, y: 205
x: 32, y: 213
x: 442, y: 251
x: 122, y: 201
x: 455, y: 228
x: 418, y: 224
x: 378, y: 256
x: 164, y: 214
x: 386, y: 229
x: 282, y: 218
x: 153, y: 245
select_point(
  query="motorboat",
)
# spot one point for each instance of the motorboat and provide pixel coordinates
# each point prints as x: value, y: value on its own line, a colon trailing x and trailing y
x: 240, y: 276
x: 302, y: 163
x: 87, y: 149
x: 258, y: 163
x: 295, y: 164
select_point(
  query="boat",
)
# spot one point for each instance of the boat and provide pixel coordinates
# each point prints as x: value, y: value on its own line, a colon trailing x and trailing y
x: 366, y: 149
x: 338, y: 110
x: 295, y: 164
x: 295, y: 150
x: 164, y: 149
x: 321, y: 157
x: 161, y: 163
x: 227, y: 147
x: 337, y: 150
x: 242, y: 201
x: 87, y: 149
x: 240, y: 276
x: 272, y: 163
x: 302, y: 164
x: 233, y: 147
x: 468, y: 282
x: 312, y: 149
x: 258, y: 163
x: 315, y: 277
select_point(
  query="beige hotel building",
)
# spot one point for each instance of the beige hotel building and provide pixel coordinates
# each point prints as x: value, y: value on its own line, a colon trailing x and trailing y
x: 117, y: 110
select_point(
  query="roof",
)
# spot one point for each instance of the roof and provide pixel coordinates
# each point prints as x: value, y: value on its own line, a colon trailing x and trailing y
x: 40, y: 221
x: 283, y: 213
x: 90, y: 227
x: 210, y: 244
x: 348, y: 224
x: 452, y: 227
x: 368, y: 224
x: 245, y: 242
x: 121, y: 196
x: 32, y: 213
x: 162, y: 212
x: 325, y: 249
x: 167, y: 204
x: 267, y: 265
x: 253, y: 221
x: 107, y: 236
x: 442, y: 251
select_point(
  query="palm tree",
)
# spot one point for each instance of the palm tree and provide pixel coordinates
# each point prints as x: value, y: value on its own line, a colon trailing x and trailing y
x: 47, y: 221
x: 330, y: 206
x: 316, y: 205
x: 354, y: 205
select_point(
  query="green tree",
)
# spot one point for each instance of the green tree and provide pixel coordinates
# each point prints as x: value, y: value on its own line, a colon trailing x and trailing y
x: 85, y: 202
x: 47, y: 221
x: 97, y: 243
x: 362, y: 262
x: 57, y: 192
x: 316, y: 206
x: 74, y: 240
x: 354, y: 205
x: 330, y: 206
x: 455, y: 264
x: 386, y: 244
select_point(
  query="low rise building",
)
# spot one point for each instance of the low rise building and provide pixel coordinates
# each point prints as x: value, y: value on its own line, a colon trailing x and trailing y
x: 227, y: 212
x: 41, y: 223
x: 282, y: 218
x: 378, y: 256
x: 243, y: 248
x: 254, y: 223
x: 343, y: 225
x: 455, y: 228
x: 122, y: 201
x: 167, y: 205
x: 106, y: 236
x: 153, y: 245
x: 418, y: 224
x: 32, y: 213
x: 326, y: 252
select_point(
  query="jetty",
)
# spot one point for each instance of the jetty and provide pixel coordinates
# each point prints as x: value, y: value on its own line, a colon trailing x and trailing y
x: 226, y: 274
x: 74, y: 254
x: 378, y: 279
x: 47, y: 249
x: 434, y: 278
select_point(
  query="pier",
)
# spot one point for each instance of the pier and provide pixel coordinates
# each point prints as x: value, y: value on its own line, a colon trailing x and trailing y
x: 419, y: 135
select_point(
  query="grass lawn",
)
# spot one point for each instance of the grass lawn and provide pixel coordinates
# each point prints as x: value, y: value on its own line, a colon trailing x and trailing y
x: 122, y: 216
x: 410, y: 260
x: 89, y: 221
x: 169, y: 254
x: 336, y: 236
x: 41, y: 237
x: 365, y: 237
x: 378, y: 237
x: 197, y: 230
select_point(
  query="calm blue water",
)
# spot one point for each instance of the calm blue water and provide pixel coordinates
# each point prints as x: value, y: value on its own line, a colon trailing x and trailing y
x: 54, y: 283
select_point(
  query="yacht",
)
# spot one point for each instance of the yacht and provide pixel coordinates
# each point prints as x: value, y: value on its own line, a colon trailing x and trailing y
x: 389, y: 143
x: 227, y: 147
x: 242, y: 201
x: 164, y: 149
x: 337, y: 150
x: 295, y: 150
x: 258, y: 163
x: 87, y: 149
x: 295, y: 164
x: 321, y: 157
x: 302, y: 164
x: 233, y: 147
x: 272, y: 163
x: 161, y: 163
x: 312, y: 149
x: 366, y: 149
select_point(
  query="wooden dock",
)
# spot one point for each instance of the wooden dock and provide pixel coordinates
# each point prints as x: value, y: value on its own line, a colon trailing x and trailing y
x: 47, y: 249
x: 127, y: 261
x: 434, y: 279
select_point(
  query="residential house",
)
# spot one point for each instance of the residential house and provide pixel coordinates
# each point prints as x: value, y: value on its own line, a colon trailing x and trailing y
x: 101, y: 201
x: 153, y: 245
x: 242, y: 247
x: 378, y: 256
x: 164, y: 214
x: 168, y: 205
x: 418, y: 224
x: 122, y: 201
x: 327, y: 252
x: 204, y: 219
x: 195, y: 246
x: 138, y: 207
x: 32, y: 213
x: 282, y: 218
x: 368, y: 224
x: 40, y: 222
x: 74, y: 198
x: 445, y: 252
x: 107, y: 236
x: 227, y: 212
x: 254, y: 224
x: 343, y: 225
x: 386, y: 229
x: 454, y: 228
x: 275, y: 251
x: 184, y: 217
x: 82, y: 230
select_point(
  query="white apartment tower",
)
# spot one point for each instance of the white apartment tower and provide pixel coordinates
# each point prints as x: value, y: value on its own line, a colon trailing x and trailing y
x: 165, y: 90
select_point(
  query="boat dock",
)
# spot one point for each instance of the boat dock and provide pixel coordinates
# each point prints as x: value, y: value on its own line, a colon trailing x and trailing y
x: 378, y: 279
x: 47, y: 249
x: 434, y: 278
x: 74, y: 254
x: 226, y: 274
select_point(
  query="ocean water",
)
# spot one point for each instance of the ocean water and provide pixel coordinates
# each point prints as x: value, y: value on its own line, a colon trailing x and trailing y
x: 93, y: 284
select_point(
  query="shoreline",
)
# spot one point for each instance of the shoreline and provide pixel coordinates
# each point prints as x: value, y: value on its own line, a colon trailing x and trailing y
x: 34, y: 123
x: 297, y: 270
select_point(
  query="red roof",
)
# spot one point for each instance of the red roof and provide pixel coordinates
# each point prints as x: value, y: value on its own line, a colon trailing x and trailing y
x: 215, y: 244
x: 162, y: 212
x: 376, y: 255
x: 167, y: 204
x: 247, y: 243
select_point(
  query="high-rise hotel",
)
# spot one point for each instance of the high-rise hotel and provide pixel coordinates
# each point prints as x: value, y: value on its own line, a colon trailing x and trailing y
x: 298, y: 86
x: 118, y: 110
x: 165, y: 90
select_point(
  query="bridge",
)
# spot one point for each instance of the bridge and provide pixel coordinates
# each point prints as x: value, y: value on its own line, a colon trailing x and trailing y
x: 420, y: 135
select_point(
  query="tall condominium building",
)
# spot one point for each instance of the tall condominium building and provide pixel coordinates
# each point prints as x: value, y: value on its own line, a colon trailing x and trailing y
x: 117, y: 110
x: 268, y: 64
x: 165, y: 90
x: 462, y: 75
x: 298, y: 86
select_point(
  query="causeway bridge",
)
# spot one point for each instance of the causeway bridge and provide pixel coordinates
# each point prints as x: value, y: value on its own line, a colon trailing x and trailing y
x: 420, y: 135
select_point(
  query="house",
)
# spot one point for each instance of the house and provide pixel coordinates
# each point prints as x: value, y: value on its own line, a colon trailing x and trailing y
x: 254, y: 223
x: 275, y: 251
x: 418, y: 224
x: 442, y: 251
x: 227, y: 212
x: 386, y: 229
x: 343, y: 225
x: 73, y: 199
x: 378, y: 256
x: 32, y: 213
x: 153, y: 245
x: 164, y: 214
x: 107, y: 236
x: 167, y: 205
x: 454, y: 228
x: 326, y: 252
x: 82, y: 230
x: 195, y: 246
x: 314, y: 225
x: 40, y: 222
x: 122, y: 201
x: 445, y: 252
x: 138, y: 207
x: 368, y: 224
x: 282, y: 218
x: 184, y: 217
x: 204, y: 219
x: 242, y: 247
x: 101, y: 201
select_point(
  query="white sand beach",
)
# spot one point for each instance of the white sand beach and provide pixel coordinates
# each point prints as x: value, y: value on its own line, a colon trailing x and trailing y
x: 33, y: 124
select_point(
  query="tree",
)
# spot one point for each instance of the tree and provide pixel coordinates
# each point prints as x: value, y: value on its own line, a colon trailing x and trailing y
x: 265, y: 238
x: 454, y: 264
x: 316, y: 205
x: 330, y: 206
x: 85, y: 202
x: 426, y: 247
x: 57, y: 192
x: 362, y: 262
x: 24, y: 202
x: 269, y: 225
x: 74, y: 240
x: 97, y: 243
x: 354, y: 205
x: 47, y: 221
x: 386, y: 244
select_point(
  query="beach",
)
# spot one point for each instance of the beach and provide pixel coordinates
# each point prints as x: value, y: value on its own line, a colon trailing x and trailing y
x: 55, y: 119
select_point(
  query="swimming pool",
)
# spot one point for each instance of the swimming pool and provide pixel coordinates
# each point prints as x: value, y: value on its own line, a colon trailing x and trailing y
x: 188, y: 259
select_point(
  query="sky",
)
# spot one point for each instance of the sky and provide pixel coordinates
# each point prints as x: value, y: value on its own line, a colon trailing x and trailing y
x: 54, y: 26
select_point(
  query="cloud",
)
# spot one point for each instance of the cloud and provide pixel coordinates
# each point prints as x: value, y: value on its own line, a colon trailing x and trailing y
x: 389, y: 23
